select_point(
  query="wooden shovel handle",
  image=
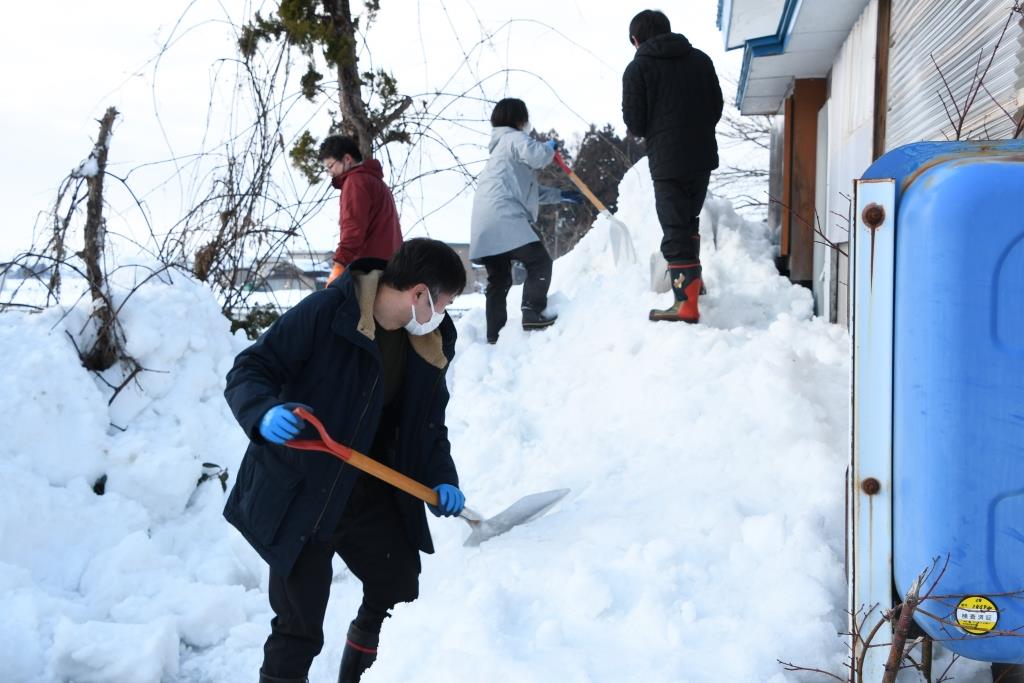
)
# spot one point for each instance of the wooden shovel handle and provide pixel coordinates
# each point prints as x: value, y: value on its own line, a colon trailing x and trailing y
x: 393, y: 477
x: 362, y: 462
x: 579, y: 183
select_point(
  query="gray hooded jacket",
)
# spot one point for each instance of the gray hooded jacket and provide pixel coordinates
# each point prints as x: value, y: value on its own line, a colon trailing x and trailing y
x: 507, y: 195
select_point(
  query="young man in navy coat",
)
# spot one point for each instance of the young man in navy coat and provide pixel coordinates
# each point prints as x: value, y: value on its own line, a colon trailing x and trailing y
x: 368, y: 356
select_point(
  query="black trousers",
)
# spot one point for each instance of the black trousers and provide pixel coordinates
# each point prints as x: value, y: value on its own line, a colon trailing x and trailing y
x: 678, y: 202
x: 537, y: 261
x: 371, y: 539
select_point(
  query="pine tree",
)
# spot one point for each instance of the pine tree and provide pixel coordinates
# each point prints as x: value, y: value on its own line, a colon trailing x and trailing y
x: 370, y: 105
x: 601, y: 162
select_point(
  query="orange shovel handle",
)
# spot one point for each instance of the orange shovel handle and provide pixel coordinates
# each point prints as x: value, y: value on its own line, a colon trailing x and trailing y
x: 580, y: 184
x: 360, y: 461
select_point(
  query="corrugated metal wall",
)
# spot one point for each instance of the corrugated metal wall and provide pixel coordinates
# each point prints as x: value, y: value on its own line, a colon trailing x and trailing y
x: 956, y: 33
x: 851, y: 128
x: 851, y: 119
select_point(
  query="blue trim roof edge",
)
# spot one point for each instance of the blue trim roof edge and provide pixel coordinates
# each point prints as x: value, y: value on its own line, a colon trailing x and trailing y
x: 767, y: 45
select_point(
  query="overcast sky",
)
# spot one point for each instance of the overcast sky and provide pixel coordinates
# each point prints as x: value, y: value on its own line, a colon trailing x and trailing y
x: 64, y: 62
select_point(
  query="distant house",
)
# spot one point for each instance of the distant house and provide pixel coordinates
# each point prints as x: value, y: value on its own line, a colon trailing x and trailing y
x: 313, y: 264
x: 285, y: 274
x: 308, y: 269
x: 850, y: 80
x: 24, y: 271
x: 290, y: 271
x: 476, y: 276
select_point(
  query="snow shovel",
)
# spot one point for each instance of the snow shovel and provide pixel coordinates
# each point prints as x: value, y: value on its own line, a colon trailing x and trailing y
x: 520, y: 512
x: 621, y: 241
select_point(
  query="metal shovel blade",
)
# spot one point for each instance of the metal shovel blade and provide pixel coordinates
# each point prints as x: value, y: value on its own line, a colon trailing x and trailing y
x: 520, y: 512
x: 622, y: 242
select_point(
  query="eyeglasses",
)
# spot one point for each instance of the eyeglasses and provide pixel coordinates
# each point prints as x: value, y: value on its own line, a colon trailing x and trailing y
x: 439, y: 302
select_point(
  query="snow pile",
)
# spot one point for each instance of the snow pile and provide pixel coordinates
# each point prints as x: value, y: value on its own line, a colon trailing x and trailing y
x: 107, y: 588
x: 702, y: 540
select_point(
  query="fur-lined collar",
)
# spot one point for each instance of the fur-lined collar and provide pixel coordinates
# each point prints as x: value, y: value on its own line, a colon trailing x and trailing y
x: 428, y: 346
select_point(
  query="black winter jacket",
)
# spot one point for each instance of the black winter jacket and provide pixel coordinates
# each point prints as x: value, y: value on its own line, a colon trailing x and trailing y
x: 322, y: 353
x: 671, y: 97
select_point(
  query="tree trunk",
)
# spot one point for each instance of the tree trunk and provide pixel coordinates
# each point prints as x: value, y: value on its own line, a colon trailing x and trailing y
x: 902, y: 630
x: 354, y: 118
x: 104, y: 351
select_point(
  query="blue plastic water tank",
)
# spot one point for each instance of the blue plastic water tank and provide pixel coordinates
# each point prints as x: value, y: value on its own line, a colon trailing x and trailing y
x: 958, y: 390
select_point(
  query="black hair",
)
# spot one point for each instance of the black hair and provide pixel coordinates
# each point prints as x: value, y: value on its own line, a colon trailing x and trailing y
x: 337, y: 146
x: 648, y: 24
x: 427, y: 261
x: 510, y: 112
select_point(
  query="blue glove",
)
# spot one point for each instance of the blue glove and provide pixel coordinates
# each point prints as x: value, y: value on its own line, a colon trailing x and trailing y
x: 572, y: 197
x: 450, y: 501
x: 552, y: 145
x: 279, y: 424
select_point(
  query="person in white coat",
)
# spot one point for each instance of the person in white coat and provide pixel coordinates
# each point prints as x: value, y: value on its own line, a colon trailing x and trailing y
x: 505, y: 208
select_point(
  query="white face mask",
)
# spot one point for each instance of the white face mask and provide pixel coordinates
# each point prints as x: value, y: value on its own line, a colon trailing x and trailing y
x: 527, y: 127
x: 419, y: 329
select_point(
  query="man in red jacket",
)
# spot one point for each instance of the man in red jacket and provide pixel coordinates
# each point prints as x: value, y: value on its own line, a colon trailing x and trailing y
x: 369, y: 219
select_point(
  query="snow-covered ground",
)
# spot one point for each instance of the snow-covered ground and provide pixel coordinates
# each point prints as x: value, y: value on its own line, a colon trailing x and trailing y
x: 702, y: 540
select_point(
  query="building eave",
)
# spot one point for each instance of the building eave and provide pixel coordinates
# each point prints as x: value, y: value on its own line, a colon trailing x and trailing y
x: 766, y: 45
x: 809, y: 35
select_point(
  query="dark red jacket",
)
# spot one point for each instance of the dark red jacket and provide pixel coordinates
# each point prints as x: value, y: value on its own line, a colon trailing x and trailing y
x: 369, y: 219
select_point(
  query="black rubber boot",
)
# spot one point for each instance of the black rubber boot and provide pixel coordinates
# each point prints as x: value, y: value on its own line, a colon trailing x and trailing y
x: 696, y: 241
x: 532, y: 320
x: 360, y: 652
x: 265, y: 678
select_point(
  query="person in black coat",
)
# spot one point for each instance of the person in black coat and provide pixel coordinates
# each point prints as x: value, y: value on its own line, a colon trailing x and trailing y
x: 368, y: 356
x: 672, y: 99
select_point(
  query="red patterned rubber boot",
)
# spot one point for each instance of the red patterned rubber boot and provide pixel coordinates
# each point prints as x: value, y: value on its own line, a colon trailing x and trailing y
x: 686, y: 286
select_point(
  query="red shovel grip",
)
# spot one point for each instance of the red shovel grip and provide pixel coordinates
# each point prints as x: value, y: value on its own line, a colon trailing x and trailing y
x: 561, y: 162
x: 338, y: 450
